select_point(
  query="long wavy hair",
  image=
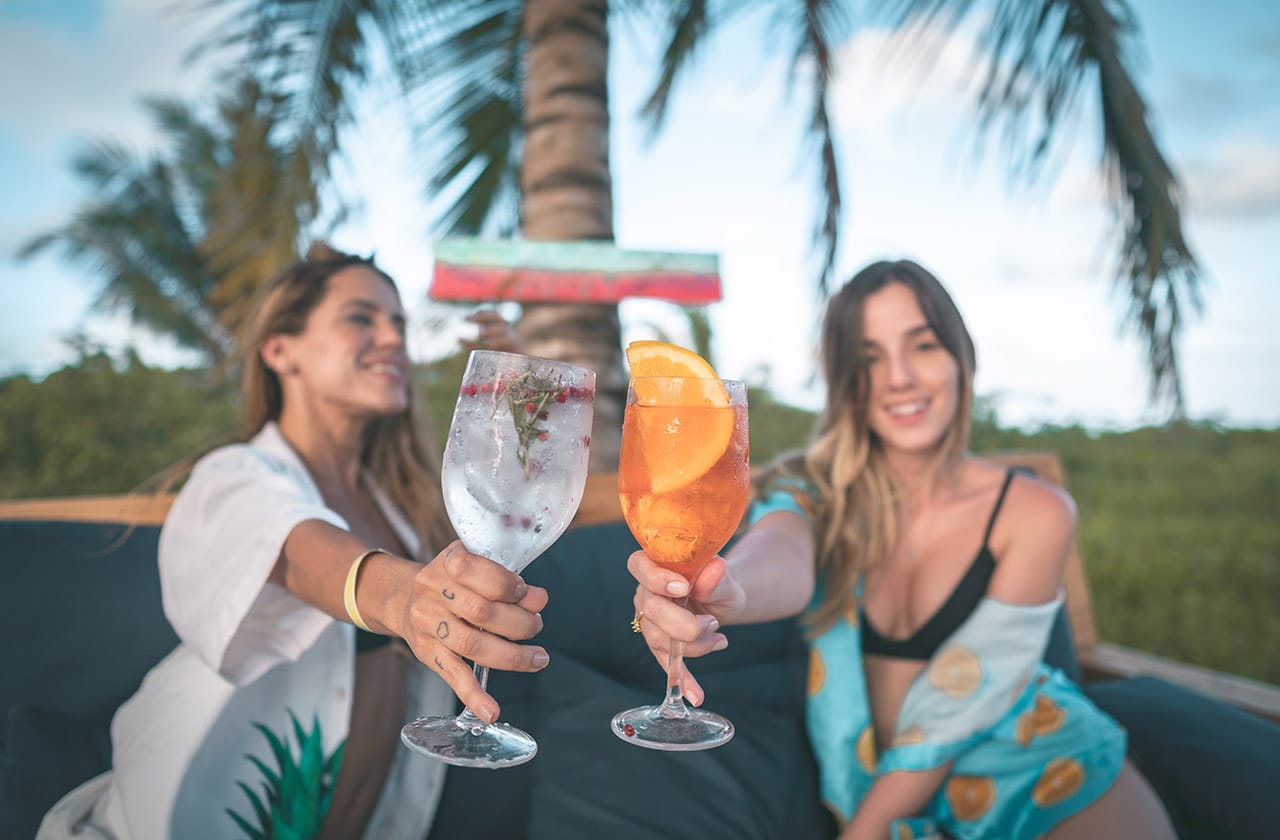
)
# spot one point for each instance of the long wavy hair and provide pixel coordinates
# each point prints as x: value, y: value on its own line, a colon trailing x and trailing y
x: 854, y: 504
x: 393, y: 451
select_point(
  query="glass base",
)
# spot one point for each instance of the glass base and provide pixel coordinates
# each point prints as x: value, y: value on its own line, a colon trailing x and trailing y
x: 453, y: 741
x: 680, y: 730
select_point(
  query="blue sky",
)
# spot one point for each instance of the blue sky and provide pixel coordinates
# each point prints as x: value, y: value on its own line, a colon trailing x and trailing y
x: 1029, y: 267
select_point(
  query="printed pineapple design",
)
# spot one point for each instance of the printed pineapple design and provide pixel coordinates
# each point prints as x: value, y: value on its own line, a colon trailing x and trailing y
x: 296, y: 794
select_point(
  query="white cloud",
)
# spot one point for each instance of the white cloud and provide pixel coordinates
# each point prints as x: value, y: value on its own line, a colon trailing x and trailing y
x: 1241, y: 179
x: 881, y: 81
x: 60, y: 84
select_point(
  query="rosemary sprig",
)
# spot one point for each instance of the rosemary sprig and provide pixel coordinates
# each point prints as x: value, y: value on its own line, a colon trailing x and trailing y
x: 527, y: 397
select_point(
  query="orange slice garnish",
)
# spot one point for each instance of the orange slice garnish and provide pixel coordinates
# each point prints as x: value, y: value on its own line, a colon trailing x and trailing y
x: 657, y: 358
x: 697, y: 406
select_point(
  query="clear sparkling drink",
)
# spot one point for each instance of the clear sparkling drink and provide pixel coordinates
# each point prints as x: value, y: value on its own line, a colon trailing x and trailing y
x: 515, y: 460
x: 514, y: 469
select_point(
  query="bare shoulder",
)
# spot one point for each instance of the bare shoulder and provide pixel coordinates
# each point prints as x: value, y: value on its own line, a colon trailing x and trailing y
x: 1042, y: 501
x: 1032, y: 539
x: 1031, y: 498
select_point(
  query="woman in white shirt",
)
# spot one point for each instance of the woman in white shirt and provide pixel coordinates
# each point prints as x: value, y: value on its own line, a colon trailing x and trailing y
x: 329, y: 515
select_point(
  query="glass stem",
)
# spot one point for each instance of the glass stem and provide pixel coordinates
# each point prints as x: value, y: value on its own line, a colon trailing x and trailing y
x: 468, y: 718
x: 673, y: 705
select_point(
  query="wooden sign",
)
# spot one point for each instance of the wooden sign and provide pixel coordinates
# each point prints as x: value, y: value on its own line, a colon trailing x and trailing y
x: 569, y: 272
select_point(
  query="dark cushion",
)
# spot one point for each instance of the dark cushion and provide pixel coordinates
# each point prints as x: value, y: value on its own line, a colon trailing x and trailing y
x: 1061, y: 650
x: 585, y: 781
x: 86, y: 598
x: 45, y: 755
x: 82, y: 625
x: 1214, y: 766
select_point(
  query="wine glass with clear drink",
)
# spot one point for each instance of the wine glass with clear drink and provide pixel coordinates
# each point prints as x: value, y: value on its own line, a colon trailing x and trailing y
x: 514, y: 469
x: 683, y: 480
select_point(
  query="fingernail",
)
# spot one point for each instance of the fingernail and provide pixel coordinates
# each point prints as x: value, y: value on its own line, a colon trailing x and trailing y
x: 712, y: 624
x: 522, y: 589
x: 694, y: 697
x: 678, y: 588
x: 487, y: 713
x: 540, y: 659
x: 720, y: 643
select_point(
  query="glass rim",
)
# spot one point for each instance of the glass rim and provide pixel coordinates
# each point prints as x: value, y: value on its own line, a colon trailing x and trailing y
x: 528, y: 357
x: 688, y: 379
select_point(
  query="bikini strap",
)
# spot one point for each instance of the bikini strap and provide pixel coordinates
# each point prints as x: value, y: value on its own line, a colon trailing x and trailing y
x: 1008, y: 479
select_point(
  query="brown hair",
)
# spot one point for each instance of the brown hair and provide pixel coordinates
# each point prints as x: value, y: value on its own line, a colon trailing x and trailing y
x: 854, y: 510
x: 393, y: 452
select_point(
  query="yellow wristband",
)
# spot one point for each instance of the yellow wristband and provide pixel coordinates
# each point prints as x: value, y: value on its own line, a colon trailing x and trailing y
x: 349, y: 590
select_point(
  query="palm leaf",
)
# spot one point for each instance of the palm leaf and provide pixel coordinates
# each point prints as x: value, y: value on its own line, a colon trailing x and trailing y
x: 465, y: 85
x: 311, y: 50
x: 688, y: 25
x: 1041, y: 55
x: 818, y: 26
x: 183, y: 240
x: 823, y: 24
x: 458, y: 61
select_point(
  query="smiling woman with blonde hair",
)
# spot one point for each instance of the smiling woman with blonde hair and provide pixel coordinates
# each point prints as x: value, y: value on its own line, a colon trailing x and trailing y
x: 930, y: 580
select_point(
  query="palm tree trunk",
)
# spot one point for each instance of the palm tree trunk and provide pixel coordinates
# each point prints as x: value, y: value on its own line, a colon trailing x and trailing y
x: 566, y: 191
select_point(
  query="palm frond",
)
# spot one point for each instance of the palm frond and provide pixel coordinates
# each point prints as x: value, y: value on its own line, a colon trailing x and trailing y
x: 312, y: 50
x: 444, y: 53
x: 480, y: 120
x: 819, y: 26
x: 183, y: 240
x: 101, y: 163
x: 1157, y: 268
x: 688, y: 26
x: 1041, y: 55
x: 133, y: 238
x: 260, y: 206
x: 823, y: 25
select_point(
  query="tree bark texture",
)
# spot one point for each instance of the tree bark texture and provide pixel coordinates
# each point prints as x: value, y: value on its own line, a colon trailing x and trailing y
x: 566, y: 190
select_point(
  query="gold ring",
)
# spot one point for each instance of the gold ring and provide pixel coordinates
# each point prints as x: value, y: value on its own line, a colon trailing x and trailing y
x: 635, y: 622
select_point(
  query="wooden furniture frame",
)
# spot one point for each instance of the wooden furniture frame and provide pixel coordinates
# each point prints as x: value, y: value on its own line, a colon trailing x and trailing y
x: 1099, y: 660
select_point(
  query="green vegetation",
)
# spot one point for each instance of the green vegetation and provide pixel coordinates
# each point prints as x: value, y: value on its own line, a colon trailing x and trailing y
x: 1180, y: 537
x: 1178, y: 527
x: 103, y: 427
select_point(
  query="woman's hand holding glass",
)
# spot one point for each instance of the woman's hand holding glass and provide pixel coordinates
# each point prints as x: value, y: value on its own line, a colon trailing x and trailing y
x: 513, y: 474
x: 714, y: 598
x: 464, y: 606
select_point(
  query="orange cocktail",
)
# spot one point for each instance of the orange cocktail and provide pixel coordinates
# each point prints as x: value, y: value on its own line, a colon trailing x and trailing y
x: 682, y: 520
x: 683, y: 481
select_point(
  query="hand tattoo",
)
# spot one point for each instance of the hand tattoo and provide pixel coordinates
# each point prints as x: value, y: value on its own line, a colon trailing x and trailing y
x: 447, y: 594
x: 439, y: 665
x: 442, y: 630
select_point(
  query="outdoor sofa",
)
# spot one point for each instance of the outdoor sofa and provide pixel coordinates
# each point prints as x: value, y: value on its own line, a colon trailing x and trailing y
x: 82, y: 624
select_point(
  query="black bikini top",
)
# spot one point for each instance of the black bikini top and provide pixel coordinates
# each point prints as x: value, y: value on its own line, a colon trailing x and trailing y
x: 964, y: 599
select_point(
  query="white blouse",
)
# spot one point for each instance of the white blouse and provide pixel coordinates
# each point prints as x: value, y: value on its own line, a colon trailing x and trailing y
x: 251, y: 652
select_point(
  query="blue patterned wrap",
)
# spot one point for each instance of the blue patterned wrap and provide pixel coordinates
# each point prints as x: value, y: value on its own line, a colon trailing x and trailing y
x: 1028, y: 749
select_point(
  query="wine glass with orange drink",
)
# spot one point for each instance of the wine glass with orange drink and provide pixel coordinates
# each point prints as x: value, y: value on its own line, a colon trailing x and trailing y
x: 683, y: 480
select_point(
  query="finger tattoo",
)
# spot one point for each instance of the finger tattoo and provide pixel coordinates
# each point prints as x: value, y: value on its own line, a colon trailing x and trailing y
x: 447, y: 594
x: 442, y: 630
x: 439, y: 665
